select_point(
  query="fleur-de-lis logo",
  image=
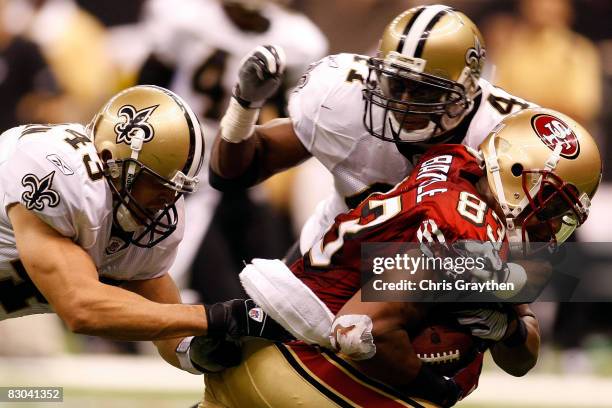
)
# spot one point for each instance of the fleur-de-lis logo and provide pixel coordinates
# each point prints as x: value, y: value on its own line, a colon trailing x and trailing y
x: 474, y: 58
x: 40, y: 192
x: 135, y: 122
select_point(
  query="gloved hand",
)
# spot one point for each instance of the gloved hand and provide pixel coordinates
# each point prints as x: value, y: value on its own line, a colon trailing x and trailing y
x: 260, y: 76
x: 237, y: 318
x: 466, y: 379
x: 445, y: 391
x: 352, y: 336
x: 488, y: 324
x: 211, y: 355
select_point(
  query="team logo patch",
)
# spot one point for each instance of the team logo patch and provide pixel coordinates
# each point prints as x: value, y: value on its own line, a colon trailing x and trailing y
x: 474, y: 57
x: 40, y: 192
x: 553, y: 131
x: 60, y: 164
x: 115, y: 244
x: 135, y: 123
x: 256, y: 314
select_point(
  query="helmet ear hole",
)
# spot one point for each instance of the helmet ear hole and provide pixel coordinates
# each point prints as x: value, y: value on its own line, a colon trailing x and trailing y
x: 517, y: 169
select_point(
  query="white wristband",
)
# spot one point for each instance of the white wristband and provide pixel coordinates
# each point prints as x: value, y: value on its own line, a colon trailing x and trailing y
x: 182, y: 354
x: 238, y: 123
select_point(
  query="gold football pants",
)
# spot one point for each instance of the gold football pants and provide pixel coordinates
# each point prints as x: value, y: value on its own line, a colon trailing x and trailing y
x: 297, y: 375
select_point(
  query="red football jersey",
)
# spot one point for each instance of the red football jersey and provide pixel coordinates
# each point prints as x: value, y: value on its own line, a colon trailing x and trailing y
x: 437, y: 203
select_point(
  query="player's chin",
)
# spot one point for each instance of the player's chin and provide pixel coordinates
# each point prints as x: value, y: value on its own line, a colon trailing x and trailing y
x: 142, y: 216
x: 412, y: 122
x: 414, y: 126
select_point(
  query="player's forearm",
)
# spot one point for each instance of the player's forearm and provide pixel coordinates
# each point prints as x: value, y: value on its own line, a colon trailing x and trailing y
x: 395, y: 362
x: 116, y: 313
x: 167, y: 350
x: 259, y: 77
x: 517, y: 360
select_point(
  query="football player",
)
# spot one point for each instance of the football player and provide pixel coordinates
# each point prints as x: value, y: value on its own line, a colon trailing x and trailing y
x: 534, y: 176
x: 196, y: 51
x: 365, y: 119
x: 91, y: 218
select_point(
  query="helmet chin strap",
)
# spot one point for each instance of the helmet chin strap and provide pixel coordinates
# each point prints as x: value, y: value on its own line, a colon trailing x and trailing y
x: 514, y: 232
x: 124, y: 216
x: 136, y: 147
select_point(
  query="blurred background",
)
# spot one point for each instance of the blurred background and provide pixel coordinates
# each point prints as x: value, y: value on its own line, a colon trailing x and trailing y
x: 61, y: 59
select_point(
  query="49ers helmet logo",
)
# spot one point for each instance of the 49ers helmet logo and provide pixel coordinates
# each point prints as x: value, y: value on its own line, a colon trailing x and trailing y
x: 135, y: 122
x: 553, y: 132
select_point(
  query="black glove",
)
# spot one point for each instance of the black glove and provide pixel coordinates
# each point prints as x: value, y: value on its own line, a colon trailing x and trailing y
x: 434, y: 387
x: 260, y: 76
x: 237, y: 318
x: 211, y: 355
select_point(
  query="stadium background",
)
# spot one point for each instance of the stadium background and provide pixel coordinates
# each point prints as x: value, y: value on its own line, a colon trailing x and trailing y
x: 60, y: 59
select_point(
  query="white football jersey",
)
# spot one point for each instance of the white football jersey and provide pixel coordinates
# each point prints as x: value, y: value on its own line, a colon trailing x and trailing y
x: 206, y: 47
x: 327, y: 109
x: 54, y: 171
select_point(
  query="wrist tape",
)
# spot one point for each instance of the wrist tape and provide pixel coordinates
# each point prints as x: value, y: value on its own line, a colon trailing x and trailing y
x: 238, y: 123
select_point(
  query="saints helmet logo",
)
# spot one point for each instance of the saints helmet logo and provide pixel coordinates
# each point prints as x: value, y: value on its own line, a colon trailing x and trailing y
x: 474, y: 58
x: 40, y: 192
x: 135, y: 123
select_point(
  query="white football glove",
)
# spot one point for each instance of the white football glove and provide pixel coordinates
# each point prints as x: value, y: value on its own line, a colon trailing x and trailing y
x: 352, y: 336
x: 488, y: 324
x: 260, y: 75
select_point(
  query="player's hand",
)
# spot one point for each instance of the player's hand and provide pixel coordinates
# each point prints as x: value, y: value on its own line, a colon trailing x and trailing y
x: 211, y: 355
x: 238, y: 318
x: 260, y: 75
x: 352, y: 335
x: 466, y: 379
x: 488, y: 324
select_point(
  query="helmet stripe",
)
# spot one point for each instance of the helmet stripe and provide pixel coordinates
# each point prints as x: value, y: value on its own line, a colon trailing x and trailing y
x: 409, y: 24
x: 416, y: 37
x: 196, y: 138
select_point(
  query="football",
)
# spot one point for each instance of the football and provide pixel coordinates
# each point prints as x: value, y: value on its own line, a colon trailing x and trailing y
x: 444, y: 347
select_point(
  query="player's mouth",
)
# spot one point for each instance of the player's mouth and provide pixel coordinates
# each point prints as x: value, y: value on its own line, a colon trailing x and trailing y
x: 412, y: 122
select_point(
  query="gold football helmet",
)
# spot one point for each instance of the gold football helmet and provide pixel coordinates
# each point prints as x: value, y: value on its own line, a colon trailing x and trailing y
x: 425, y: 76
x: 543, y: 168
x: 149, y: 139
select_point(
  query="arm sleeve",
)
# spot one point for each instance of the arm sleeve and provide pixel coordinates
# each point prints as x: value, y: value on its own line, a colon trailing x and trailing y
x: 326, y: 110
x: 305, y: 103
